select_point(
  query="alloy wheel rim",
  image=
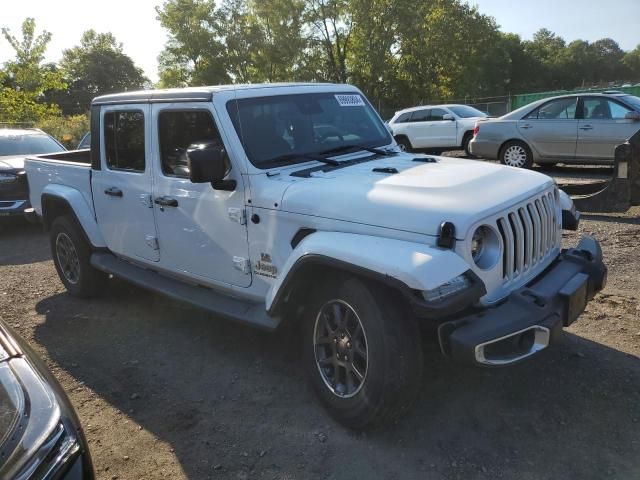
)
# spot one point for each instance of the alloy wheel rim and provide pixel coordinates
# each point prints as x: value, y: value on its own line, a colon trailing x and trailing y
x: 67, y: 258
x: 515, y: 156
x: 340, y: 348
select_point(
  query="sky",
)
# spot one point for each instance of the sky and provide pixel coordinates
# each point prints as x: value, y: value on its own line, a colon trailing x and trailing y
x: 134, y: 24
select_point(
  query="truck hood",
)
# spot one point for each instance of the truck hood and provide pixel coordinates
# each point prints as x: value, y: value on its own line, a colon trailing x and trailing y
x: 12, y: 163
x: 416, y: 199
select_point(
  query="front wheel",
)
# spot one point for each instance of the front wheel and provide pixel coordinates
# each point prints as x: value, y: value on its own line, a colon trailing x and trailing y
x: 71, y: 253
x: 362, y: 353
x: 404, y: 144
x: 516, y: 154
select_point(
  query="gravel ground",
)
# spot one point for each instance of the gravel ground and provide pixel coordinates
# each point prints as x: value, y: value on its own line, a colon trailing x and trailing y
x: 166, y: 391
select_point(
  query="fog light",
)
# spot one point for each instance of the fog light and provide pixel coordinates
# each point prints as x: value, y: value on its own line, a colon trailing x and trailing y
x: 447, y: 289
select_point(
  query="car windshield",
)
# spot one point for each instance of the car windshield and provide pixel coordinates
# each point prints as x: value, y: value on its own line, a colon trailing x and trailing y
x: 27, y: 144
x: 282, y: 129
x: 465, y: 111
x: 632, y: 101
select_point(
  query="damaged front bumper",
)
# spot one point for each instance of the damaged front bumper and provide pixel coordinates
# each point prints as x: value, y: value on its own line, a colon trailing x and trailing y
x: 531, y: 317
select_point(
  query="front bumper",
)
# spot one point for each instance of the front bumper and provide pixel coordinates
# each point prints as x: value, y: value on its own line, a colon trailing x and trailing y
x: 13, y: 208
x: 531, y: 317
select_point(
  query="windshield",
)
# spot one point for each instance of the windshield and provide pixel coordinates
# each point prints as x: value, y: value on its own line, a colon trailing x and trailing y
x: 29, y: 144
x: 632, y: 101
x: 465, y: 111
x: 282, y: 129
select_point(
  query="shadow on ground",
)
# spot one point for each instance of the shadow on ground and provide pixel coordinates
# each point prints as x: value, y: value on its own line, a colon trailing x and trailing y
x: 220, y: 393
x: 34, y: 244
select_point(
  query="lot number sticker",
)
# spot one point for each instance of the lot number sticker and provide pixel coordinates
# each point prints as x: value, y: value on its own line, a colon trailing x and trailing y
x: 350, y: 100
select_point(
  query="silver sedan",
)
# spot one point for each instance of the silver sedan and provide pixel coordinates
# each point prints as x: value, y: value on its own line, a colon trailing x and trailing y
x: 580, y: 128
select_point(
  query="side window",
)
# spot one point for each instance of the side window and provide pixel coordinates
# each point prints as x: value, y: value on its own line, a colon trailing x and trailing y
x: 596, y: 109
x: 404, y: 118
x: 124, y: 140
x: 420, y: 116
x: 561, y: 109
x: 177, y: 130
x: 437, y: 114
x: 617, y: 110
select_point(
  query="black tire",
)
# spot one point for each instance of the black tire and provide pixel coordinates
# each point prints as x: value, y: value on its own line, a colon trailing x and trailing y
x: 404, y: 144
x: 67, y: 241
x: 517, y: 154
x: 465, y: 144
x: 393, y: 368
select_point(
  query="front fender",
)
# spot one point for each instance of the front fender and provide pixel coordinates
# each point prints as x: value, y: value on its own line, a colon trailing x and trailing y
x: 415, y: 265
x: 77, y: 204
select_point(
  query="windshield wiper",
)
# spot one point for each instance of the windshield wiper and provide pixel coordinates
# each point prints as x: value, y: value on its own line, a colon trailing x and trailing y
x: 287, y: 157
x: 345, y: 148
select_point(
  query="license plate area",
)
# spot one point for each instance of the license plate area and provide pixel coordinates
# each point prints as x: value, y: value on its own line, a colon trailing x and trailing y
x: 574, y: 293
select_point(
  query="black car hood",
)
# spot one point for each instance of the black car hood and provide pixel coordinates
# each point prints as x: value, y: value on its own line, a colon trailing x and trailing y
x: 12, y: 163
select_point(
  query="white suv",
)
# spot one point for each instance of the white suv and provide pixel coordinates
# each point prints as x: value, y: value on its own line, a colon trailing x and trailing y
x: 437, y: 127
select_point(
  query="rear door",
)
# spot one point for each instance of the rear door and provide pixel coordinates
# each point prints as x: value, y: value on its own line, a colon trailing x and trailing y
x: 202, y: 231
x: 603, y: 128
x: 122, y: 186
x: 418, y: 128
x: 552, y: 129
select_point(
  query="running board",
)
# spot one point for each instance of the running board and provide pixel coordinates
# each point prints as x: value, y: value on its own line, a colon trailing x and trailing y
x: 205, y: 298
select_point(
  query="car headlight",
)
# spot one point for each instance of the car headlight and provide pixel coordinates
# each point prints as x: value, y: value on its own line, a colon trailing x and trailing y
x: 485, y: 247
x: 8, y: 177
x: 447, y: 289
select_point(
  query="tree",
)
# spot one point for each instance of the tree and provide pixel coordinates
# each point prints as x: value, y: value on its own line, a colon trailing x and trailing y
x: 631, y: 61
x: 608, y: 60
x: 96, y: 66
x: 26, y: 79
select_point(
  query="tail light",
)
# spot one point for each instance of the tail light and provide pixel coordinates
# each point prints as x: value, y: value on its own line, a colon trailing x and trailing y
x: 476, y: 129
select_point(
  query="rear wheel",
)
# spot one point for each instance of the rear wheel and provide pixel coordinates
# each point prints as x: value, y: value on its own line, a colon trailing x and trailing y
x: 516, y: 154
x: 404, y: 144
x: 362, y: 352
x: 465, y: 144
x: 71, y: 253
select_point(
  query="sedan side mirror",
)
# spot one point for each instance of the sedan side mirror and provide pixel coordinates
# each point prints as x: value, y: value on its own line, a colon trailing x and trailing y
x: 632, y: 116
x: 209, y: 163
x: 447, y: 116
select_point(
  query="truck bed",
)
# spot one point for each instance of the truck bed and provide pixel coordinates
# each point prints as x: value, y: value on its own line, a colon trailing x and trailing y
x: 66, y: 170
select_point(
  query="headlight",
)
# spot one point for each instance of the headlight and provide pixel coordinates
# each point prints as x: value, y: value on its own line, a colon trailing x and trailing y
x: 485, y: 247
x: 8, y: 177
x: 453, y: 286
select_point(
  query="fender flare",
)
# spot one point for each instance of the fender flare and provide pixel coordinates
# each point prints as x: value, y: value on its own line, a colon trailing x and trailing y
x: 407, y: 266
x: 77, y: 206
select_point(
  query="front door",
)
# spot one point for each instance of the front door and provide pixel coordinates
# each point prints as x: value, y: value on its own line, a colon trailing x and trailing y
x: 443, y: 132
x: 552, y: 129
x: 202, y: 231
x: 122, y: 185
x: 603, y: 128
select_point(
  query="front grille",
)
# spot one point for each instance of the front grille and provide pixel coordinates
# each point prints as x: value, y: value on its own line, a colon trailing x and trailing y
x: 530, y: 231
x: 18, y: 190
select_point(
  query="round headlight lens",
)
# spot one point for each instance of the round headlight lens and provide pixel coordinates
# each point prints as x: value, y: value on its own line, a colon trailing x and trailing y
x: 485, y: 247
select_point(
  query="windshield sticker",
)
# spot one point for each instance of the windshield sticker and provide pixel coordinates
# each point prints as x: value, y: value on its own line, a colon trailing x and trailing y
x: 350, y: 100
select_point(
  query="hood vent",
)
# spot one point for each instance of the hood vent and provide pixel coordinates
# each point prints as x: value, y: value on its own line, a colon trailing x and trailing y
x: 385, y: 170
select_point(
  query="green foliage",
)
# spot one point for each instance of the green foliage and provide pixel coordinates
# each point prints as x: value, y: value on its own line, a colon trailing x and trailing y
x: 68, y: 130
x: 96, y: 67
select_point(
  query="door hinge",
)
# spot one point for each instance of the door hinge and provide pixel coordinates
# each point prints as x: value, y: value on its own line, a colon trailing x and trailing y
x: 242, y: 264
x: 238, y: 215
x: 152, y: 242
x: 145, y: 199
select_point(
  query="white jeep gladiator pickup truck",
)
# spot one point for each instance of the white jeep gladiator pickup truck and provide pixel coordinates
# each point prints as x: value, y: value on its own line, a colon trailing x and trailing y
x: 292, y: 203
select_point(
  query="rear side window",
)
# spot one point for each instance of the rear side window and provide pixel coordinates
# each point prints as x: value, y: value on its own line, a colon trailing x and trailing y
x: 420, y: 116
x: 124, y: 140
x: 177, y: 130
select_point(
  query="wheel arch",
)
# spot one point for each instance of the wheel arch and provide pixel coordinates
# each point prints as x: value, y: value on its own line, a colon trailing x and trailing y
x: 403, y: 137
x: 68, y: 201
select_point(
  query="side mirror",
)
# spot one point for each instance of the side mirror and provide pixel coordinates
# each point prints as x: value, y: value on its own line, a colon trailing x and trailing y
x: 209, y: 163
x: 632, y: 116
x: 447, y: 116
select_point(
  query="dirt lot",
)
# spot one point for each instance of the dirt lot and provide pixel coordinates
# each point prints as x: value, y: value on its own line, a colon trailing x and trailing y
x: 165, y: 391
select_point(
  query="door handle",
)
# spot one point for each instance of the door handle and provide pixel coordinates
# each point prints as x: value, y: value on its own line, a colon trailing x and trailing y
x: 113, y: 192
x: 526, y: 126
x: 586, y: 127
x: 166, y: 202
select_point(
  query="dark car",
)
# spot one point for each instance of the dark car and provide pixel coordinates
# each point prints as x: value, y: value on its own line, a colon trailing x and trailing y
x: 40, y: 435
x: 15, y: 145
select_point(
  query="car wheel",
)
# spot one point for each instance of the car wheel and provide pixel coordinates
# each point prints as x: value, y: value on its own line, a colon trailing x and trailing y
x: 516, y: 154
x: 465, y: 144
x: 71, y: 253
x: 362, y: 352
x: 404, y: 144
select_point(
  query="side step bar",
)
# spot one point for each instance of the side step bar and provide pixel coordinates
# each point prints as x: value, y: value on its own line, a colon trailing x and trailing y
x: 205, y: 298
